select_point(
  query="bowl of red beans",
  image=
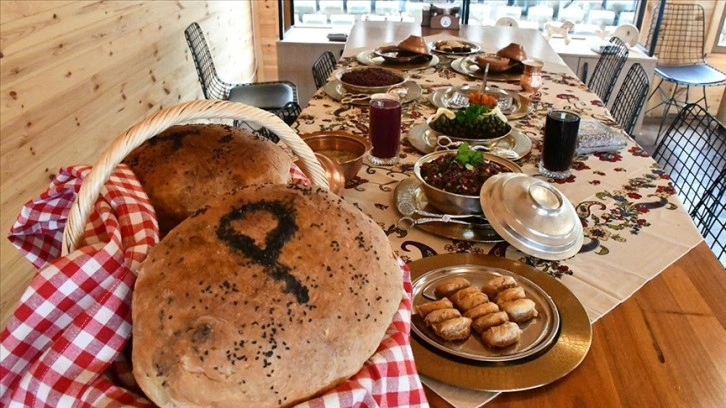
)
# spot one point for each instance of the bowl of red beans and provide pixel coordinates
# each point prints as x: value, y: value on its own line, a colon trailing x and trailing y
x: 370, y: 79
x: 452, y: 179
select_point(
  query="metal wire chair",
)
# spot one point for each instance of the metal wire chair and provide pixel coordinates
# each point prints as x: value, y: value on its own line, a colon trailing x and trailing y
x: 709, y: 214
x: 679, y: 38
x: 271, y: 96
x: 611, y: 62
x: 693, y: 152
x: 631, y: 97
x: 322, y: 68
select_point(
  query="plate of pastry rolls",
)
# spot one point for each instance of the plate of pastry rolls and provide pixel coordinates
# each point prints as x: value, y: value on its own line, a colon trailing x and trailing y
x: 483, y: 313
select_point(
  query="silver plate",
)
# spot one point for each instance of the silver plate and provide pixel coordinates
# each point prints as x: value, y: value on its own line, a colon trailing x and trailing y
x: 475, y: 48
x: 467, y: 67
x: 369, y: 58
x: 411, y: 190
x: 423, y: 139
x: 538, y: 334
x: 335, y: 90
x: 521, y: 105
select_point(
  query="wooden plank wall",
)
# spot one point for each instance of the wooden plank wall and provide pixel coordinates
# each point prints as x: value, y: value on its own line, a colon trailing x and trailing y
x: 74, y: 74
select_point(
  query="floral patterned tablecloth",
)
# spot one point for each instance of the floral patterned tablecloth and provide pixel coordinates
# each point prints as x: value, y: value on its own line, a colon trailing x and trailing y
x: 634, y: 224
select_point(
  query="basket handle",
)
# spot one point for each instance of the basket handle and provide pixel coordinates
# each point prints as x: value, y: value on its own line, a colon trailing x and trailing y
x: 156, y: 123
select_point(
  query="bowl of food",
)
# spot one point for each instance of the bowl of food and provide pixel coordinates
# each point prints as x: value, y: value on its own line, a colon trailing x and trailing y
x: 476, y: 124
x: 370, y: 79
x: 514, y: 52
x: 345, y: 148
x: 452, y: 179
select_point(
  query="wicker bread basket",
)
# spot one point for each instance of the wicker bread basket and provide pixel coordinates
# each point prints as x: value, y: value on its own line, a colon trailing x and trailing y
x: 177, y: 114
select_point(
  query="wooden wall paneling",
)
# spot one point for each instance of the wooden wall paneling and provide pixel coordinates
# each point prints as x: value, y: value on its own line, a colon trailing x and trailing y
x: 126, y: 59
x: 266, y: 21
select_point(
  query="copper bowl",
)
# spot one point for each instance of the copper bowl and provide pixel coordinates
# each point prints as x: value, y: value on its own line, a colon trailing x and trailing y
x: 415, y: 44
x: 345, y: 148
x: 497, y: 63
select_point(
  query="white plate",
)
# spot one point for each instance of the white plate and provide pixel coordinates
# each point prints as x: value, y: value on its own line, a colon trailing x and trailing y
x: 423, y: 139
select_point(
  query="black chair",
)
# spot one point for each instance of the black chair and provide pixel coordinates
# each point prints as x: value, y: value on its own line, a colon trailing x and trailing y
x: 679, y: 46
x: 271, y: 96
x: 322, y: 68
x: 631, y: 97
x: 611, y: 62
x: 693, y: 152
x: 709, y: 214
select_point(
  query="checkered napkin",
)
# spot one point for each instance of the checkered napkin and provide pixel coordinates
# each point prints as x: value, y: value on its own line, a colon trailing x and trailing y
x: 65, y: 344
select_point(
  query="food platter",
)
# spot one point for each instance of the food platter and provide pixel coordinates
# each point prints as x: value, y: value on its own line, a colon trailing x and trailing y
x: 474, y: 48
x: 424, y: 139
x: 538, y: 334
x: 411, y: 190
x: 371, y: 59
x: 393, y: 54
x: 521, y: 105
x: 408, y: 92
x: 569, y: 348
x: 467, y: 66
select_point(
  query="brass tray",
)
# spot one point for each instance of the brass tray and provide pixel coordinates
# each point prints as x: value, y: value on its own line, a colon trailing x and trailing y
x: 521, y: 105
x: 570, y: 348
x: 538, y: 334
x: 411, y: 190
x: 467, y: 66
x: 370, y: 58
x: 408, y: 92
x: 423, y: 139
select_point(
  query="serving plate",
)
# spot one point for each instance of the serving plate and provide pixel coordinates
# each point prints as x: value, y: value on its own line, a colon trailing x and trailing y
x: 467, y: 66
x: 392, y: 54
x: 371, y: 59
x: 408, y: 92
x: 411, y: 190
x: 475, y: 48
x: 521, y: 105
x: 567, y: 351
x: 538, y: 334
x: 424, y: 139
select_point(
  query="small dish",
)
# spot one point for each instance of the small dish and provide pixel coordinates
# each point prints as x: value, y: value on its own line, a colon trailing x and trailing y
x: 370, y: 59
x: 381, y: 79
x: 345, y: 148
x: 408, y: 92
x: 455, y: 47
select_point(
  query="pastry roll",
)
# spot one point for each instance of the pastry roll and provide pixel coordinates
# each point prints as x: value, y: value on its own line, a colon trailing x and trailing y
x: 426, y: 308
x: 498, y: 284
x: 461, y: 294
x: 483, y: 323
x: 481, y: 310
x: 503, y: 335
x: 440, y: 315
x: 458, y: 328
x: 471, y: 300
x: 520, y: 310
x: 507, y: 295
x: 449, y: 286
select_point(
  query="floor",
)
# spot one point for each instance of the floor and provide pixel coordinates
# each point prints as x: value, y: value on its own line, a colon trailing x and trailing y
x: 649, y: 131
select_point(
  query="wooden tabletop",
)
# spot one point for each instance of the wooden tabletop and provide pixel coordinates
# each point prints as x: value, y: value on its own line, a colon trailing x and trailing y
x: 663, y: 347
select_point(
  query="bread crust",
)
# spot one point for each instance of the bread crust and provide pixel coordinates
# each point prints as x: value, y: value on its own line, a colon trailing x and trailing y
x: 266, y: 298
x: 185, y: 166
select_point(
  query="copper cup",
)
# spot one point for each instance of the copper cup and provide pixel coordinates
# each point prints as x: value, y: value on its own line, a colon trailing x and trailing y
x: 532, y: 77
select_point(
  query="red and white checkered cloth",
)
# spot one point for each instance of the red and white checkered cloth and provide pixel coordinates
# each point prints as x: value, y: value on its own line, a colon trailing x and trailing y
x: 64, y: 344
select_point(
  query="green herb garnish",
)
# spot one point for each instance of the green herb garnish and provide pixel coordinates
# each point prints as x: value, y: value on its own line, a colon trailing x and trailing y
x: 468, y: 156
x: 469, y: 115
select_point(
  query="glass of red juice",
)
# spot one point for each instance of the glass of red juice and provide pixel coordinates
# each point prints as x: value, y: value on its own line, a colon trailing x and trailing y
x: 384, y: 129
x: 559, y: 143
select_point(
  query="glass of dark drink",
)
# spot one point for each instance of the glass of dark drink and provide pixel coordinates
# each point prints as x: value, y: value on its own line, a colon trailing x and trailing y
x: 558, y: 145
x: 384, y: 129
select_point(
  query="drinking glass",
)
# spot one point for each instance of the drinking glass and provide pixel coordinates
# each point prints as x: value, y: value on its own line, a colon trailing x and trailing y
x: 384, y: 129
x: 558, y: 144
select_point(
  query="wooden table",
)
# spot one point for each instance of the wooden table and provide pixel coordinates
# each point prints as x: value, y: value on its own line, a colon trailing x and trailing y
x: 663, y: 347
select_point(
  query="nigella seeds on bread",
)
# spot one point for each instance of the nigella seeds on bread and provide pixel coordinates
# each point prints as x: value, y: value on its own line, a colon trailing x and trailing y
x: 268, y: 297
x: 187, y: 165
